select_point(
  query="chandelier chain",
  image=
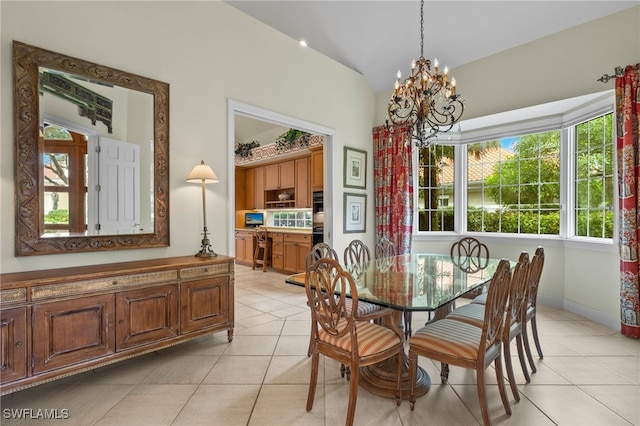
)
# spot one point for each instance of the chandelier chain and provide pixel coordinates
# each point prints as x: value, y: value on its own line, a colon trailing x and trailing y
x: 424, y: 105
x: 422, y: 28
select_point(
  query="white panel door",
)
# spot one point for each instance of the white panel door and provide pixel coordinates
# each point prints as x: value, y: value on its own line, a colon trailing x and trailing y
x: 119, y: 183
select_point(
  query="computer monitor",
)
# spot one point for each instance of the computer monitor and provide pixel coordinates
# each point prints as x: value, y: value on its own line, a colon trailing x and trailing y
x: 252, y: 220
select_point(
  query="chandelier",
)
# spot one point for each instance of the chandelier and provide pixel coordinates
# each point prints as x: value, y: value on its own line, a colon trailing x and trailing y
x: 426, y: 103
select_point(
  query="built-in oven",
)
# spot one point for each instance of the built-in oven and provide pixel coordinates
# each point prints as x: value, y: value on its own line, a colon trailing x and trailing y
x: 318, y: 217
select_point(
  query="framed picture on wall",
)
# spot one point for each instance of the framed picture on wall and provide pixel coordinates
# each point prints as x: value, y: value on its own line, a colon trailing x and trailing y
x: 355, y: 213
x: 355, y: 168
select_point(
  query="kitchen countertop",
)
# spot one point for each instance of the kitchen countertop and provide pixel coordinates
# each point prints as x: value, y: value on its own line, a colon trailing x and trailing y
x: 281, y: 229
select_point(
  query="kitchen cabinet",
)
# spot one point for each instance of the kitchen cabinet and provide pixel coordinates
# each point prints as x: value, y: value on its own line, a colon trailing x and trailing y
x: 302, y: 186
x: 259, y: 187
x: 245, y: 246
x: 317, y: 168
x: 279, y: 175
x: 13, y: 341
x: 249, y: 189
x: 295, y: 248
x: 64, y: 321
x: 277, y: 250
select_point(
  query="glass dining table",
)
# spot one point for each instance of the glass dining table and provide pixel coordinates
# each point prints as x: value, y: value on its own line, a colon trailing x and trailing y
x: 416, y: 282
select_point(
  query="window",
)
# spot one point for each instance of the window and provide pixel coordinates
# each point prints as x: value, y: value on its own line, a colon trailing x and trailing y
x: 436, y: 171
x: 594, y: 177
x: 547, y: 170
x: 513, y: 185
x: 65, y: 177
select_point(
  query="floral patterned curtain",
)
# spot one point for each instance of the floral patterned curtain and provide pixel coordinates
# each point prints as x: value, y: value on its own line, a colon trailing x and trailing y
x: 393, y: 185
x: 628, y: 150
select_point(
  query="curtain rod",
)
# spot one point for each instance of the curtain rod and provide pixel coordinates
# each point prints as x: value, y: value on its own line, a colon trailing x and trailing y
x: 619, y: 71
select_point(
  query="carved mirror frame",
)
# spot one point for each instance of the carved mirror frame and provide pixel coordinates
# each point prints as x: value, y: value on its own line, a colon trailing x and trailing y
x: 28, y: 239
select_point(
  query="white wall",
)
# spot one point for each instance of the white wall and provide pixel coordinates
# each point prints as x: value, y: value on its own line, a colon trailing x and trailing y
x: 208, y: 52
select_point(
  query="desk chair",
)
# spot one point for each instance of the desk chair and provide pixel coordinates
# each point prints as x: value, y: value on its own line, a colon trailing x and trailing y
x: 262, y: 254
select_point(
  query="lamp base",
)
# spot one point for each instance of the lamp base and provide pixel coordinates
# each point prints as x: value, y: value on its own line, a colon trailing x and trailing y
x: 205, y: 248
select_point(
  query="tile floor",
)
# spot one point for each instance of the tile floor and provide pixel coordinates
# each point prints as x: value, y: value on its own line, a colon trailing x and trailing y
x: 590, y: 375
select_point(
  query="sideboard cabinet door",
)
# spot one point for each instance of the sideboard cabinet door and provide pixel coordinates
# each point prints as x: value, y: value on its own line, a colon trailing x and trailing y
x: 72, y: 331
x: 13, y: 344
x: 204, y: 303
x: 146, y: 316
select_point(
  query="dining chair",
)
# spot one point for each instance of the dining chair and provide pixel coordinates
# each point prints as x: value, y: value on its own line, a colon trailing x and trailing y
x: 356, y: 254
x: 537, y: 263
x: 338, y: 334
x: 261, y: 255
x: 385, y: 248
x: 533, y: 281
x: 319, y: 251
x: 473, y: 313
x: 469, y: 254
x: 461, y: 344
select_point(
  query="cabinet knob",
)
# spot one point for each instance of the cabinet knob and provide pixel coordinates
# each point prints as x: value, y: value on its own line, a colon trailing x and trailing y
x: 18, y: 344
x: 121, y: 322
x: 206, y: 269
x: 115, y: 282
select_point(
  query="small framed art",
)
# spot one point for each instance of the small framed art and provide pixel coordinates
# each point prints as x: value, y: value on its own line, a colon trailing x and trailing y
x: 355, y: 168
x: 355, y: 213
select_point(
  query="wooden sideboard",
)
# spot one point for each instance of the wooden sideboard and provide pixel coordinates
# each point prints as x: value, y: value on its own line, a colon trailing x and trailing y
x: 58, y: 322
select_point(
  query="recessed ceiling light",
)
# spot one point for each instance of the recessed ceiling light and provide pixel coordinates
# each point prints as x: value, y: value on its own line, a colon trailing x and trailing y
x: 303, y: 43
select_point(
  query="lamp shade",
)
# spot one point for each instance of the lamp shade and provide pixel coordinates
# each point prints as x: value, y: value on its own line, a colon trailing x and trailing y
x: 202, y: 173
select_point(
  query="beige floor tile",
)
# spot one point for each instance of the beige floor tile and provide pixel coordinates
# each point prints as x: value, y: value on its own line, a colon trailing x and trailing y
x: 85, y: 404
x: 291, y: 370
x: 600, y: 345
x: 297, y: 328
x: 131, y: 371
x: 181, y: 369
x: 292, y: 345
x: 227, y: 405
x: 149, y: 405
x: 628, y: 366
x: 624, y: 400
x: 257, y: 320
x: 238, y: 370
x: 370, y: 409
x: 252, y: 345
x: 282, y: 405
x: 273, y: 328
x: 440, y: 405
x: 289, y: 311
x: 34, y: 398
x: 522, y: 413
x: 570, y: 405
x: 210, y: 344
x: 584, y: 371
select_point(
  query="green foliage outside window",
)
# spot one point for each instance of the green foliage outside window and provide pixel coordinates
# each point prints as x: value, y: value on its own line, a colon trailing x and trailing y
x: 57, y: 216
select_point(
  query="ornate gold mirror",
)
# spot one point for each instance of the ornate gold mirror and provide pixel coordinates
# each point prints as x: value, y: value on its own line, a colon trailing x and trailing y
x: 115, y: 112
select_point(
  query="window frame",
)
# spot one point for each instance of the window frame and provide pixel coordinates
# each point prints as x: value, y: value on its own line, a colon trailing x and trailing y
x: 560, y: 115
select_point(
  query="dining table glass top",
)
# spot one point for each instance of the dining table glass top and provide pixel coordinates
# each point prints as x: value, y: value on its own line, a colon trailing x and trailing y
x: 416, y: 281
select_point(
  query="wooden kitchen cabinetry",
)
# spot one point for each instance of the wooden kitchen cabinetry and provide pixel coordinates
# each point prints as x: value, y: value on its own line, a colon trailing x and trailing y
x: 317, y: 168
x: 295, y: 247
x: 279, y: 175
x: 245, y: 246
x: 254, y: 188
x: 277, y: 250
x: 302, y: 186
x: 64, y: 321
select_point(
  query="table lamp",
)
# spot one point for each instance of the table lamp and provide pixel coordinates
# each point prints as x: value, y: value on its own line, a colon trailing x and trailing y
x: 203, y: 174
